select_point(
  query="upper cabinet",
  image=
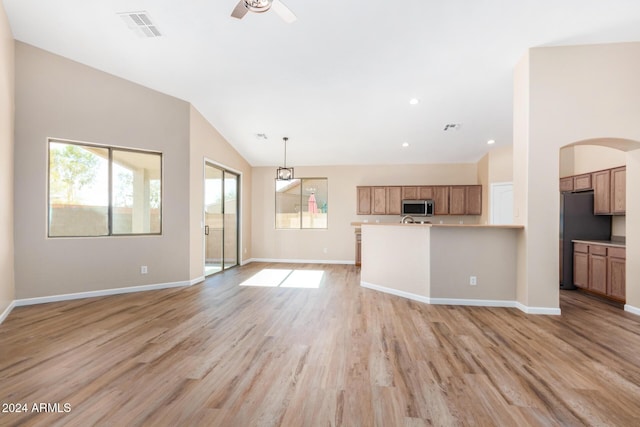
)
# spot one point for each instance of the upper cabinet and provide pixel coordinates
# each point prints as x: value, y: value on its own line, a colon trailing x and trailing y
x: 448, y: 200
x: 602, y: 192
x: 609, y: 189
x: 619, y: 190
x: 364, y: 201
x: 394, y: 200
x: 465, y: 200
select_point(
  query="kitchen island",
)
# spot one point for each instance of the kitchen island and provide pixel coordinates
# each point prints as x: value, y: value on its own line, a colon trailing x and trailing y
x: 461, y: 264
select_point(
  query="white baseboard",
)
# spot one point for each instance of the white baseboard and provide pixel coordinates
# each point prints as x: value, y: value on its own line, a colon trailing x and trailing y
x: 300, y: 261
x: 538, y: 310
x: 474, y: 302
x: 6, y: 311
x: 104, y: 292
x: 459, y: 301
x: 403, y: 294
x: 631, y: 309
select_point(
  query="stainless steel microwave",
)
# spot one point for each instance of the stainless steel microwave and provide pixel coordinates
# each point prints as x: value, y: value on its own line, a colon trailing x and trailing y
x: 417, y: 207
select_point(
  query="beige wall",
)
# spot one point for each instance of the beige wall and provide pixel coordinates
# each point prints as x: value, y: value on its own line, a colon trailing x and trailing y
x: 483, y: 179
x: 398, y: 258
x: 59, y: 98
x: 207, y: 143
x: 6, y: 162
x: 495, y: 167
x: 338, y: 239
x: 460, y: 252
x: 553, y: 109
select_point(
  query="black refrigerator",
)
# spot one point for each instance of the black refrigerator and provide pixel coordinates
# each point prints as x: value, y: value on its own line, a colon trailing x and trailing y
x: 577, y: 222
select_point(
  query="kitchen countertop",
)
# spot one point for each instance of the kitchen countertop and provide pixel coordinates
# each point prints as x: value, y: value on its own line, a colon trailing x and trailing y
x: 359, y: 224
x: 614, y: 243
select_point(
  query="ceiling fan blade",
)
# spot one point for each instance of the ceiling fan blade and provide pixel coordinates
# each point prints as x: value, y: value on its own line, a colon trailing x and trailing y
x: 240, y: 10
x: 283, y: 11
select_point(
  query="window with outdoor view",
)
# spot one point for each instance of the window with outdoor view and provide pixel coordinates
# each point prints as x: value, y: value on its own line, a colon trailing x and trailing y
x: 302, y: 203
x: 103, y: 191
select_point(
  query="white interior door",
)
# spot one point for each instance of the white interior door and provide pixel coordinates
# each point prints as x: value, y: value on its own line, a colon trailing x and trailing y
x: 502, y: 203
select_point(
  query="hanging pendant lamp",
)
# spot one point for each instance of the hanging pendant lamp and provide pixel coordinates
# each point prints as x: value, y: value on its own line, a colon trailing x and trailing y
x: 284, y: 173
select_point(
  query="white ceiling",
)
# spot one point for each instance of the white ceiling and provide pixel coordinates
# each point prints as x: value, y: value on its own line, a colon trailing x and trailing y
x: 337, y: 81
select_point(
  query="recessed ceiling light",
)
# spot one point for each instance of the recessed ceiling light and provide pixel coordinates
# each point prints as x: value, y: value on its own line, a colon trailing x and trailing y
x: 491, y: 141
x: 405, y: 144
x: 414, y: 101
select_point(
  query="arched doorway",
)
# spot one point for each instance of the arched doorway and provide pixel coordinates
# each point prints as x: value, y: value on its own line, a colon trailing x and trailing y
x: 588, y: 160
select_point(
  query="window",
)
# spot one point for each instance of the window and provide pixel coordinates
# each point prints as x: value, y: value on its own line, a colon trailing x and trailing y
x: 103, y: 191
x: 302, y: 203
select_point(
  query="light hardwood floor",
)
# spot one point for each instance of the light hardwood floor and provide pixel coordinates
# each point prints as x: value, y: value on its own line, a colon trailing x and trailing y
x: 218, y: 354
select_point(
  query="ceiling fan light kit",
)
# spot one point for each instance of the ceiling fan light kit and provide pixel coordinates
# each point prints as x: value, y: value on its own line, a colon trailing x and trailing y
x: 261, y: 6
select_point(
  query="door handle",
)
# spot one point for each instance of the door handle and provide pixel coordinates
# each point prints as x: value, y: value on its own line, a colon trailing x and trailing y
x: 206, y: 230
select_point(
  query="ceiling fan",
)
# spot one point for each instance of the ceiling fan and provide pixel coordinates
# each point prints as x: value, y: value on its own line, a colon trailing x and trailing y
x: 259, y: 6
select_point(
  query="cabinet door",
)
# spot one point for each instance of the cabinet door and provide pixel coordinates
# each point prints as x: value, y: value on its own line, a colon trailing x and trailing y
x: 379, y: 205
x: 426, y: 193
x: 441, y: 200
x: 581, y: 269
x: 457, y: 196
x: 616, y: 287
x: 394, y: 200
x: 566, y: 184
x: 410, y: 193
x: 597, y: 273
x: 618, y: 190
x: 582, y: 182
x: 364, y: 201
x: 602, y: 192
x: 473, y: 200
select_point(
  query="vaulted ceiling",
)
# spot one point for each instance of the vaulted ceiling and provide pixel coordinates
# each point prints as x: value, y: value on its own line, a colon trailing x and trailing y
x: 338, y: 80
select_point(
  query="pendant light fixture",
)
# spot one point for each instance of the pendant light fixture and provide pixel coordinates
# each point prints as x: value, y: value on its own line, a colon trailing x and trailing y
x: 284, y: 173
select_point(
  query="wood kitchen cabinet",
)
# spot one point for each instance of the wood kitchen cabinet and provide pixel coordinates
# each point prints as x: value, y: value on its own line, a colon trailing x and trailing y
x: 364, y: 201
x: 410, y: 193
x: 379, y: 205
x: 457, y: 194
x: 602, y: 192
x: 566, y: 184
x: 465, y: 200
x: 600, y: 269
x: 448, y: 200
x: 441, y: 200
x: 581, y: 265
x: 394, y: 200
x: 609, y: 189
x: 582, y: 182
x: 616, y: 273
x: 618, y: 190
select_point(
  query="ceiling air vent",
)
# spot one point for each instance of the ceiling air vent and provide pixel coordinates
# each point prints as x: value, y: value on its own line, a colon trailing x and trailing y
x: 452, y: 126
x: 140, y: 23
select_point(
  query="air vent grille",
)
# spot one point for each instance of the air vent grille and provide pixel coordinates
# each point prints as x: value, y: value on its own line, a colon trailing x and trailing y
x: 140, y: 23
x: 452, y: 126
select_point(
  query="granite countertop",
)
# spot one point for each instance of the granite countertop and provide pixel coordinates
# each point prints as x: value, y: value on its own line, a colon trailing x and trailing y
x: 614, y: 243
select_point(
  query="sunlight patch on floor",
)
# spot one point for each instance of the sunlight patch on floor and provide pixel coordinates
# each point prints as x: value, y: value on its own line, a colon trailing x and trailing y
x: 285, y: 278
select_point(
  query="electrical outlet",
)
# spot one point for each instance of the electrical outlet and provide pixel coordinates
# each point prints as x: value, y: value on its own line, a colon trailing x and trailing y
x: 143, y: 269
x: 325, y: 250
x: 473, y: 280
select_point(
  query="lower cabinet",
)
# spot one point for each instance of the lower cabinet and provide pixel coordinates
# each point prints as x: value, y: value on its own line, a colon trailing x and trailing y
x: 600, y: 269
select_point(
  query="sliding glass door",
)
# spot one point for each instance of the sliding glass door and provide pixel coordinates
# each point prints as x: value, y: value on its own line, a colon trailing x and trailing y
x: 220, y: 218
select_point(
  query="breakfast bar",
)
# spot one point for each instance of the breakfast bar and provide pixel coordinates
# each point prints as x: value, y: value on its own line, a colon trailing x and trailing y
x: 463, y: 264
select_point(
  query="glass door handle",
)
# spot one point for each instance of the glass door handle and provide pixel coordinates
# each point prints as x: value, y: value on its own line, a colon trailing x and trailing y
x: 206, y: 230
